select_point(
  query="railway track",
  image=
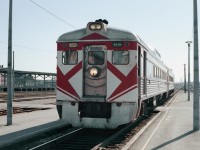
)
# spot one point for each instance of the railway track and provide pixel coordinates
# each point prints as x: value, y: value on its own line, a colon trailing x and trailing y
x: 83, y: 139
x: 95, y: 139
x: 86, y: 139
x: 21, y: 97
x: 20, y: 110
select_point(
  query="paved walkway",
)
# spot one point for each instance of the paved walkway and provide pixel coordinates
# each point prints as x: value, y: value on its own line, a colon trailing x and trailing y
x: 28, y: 124
x: 172, y: 129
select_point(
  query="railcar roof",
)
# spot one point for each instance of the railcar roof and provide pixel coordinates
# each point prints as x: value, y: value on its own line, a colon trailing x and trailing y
x: 111, y: 34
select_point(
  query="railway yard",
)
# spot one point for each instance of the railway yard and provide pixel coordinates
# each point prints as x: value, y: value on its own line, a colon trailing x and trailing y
x: 28, y: 101
x: 98, y: 84
x: 37, y: 126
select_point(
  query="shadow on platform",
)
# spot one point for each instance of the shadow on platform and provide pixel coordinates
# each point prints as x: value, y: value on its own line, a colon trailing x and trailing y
x: 173, y: 140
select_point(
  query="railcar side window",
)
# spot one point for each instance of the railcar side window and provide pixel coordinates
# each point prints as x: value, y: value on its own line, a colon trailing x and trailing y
x: 96, y: 58
x: 69, y: 57
x: 120, y: 57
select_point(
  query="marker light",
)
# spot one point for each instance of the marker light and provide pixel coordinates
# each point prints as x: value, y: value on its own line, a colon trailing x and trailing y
x: 95, y: 26
x: 94, y: 72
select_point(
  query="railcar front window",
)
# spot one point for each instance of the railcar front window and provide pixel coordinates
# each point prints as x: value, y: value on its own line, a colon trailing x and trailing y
x: 120, y: 57
x: 96, y: 58
x: 69, y: 57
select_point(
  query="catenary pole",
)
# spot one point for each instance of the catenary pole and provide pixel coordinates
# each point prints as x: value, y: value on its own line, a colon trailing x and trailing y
x: 196, y: 69
x: 188, y: 42
x: 9, y: 77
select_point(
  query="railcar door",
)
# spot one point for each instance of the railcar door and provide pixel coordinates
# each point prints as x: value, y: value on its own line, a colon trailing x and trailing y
x: 142, y: 71
x: 94, y: 72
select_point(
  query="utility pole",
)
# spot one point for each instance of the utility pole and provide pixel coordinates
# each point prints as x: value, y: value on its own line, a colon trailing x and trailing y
x: 9, y: 77
x: 188, y: 42
x: 184, y: 79
x: 196, y: 69
x: 13, y: 74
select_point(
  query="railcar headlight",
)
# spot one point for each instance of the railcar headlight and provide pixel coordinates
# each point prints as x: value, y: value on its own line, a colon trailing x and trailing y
x: 98, y: 27
x: 94, y: 72
x: 92, y: 27
x: 95, y: 26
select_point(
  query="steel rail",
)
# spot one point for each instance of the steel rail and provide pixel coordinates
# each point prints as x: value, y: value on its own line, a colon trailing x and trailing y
x: 54, y: 140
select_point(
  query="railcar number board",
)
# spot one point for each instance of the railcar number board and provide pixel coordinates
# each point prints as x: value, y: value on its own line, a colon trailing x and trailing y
x: 117, y: 44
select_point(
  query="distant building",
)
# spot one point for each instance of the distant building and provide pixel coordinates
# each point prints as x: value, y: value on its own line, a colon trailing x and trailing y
x: 1, y: 80
x: 28, y: 80
x: 2, y: 77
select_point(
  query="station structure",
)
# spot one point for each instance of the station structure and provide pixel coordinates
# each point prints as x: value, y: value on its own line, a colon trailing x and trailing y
x: 28, y: 80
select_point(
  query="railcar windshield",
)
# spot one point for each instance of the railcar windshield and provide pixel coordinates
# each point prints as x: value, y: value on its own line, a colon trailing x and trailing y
x: 96, y: 58
x: 69, y: 57
x: 120, y: 57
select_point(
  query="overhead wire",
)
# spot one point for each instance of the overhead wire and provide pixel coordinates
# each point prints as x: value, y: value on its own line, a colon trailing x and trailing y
x: 35, y: 49
x: 53, y: 14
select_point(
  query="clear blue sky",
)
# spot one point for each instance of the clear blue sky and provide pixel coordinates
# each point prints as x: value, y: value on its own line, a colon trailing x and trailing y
x: 164, y: 24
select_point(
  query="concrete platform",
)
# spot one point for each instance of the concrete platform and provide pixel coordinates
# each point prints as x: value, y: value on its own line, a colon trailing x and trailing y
x: 28, y: 124
x: 171, y: 130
